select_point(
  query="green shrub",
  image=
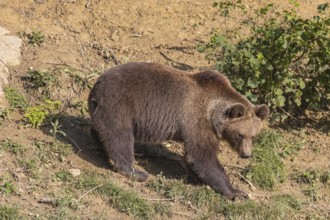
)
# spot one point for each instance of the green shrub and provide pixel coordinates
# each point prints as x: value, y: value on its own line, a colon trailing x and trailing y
x: 41, y: 81
x: 283, y: 62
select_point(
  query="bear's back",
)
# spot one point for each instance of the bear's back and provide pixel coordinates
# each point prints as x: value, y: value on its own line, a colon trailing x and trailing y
x: 152, y: 94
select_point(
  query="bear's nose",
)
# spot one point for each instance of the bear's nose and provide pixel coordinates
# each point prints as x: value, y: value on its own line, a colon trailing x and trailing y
x: 245, y: 156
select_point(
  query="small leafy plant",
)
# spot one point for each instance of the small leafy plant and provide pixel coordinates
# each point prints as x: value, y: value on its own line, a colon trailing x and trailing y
x: 56, y: 129
x: 8, y: 188
x: 30, y: 166
x: 3, y: 114
x: 15, y: 99
x: 35, y: 38
x: 41, y: 81
x: 36, y: 115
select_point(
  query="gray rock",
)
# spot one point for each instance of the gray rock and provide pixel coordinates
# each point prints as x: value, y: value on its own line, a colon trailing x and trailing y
x: 10, y: 55
x: 3, y: 31
x: 4, y: 73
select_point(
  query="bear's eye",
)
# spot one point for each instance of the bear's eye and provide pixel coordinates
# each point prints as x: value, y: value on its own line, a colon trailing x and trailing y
x: 240, y: 136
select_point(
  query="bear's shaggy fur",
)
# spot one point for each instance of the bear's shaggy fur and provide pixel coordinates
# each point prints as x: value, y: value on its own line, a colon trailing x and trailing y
x: 151, y: 103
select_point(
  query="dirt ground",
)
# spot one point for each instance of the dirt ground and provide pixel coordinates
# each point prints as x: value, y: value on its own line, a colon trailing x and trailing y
x: 92, y: 35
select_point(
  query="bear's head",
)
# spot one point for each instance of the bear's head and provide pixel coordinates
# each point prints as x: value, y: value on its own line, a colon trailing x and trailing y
x: 239, y: 125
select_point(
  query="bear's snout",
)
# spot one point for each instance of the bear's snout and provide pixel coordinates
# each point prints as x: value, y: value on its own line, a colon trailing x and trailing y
x: 245, y: 155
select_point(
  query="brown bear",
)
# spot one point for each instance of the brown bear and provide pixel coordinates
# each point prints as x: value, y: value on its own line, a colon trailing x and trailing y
x: 151, y: 103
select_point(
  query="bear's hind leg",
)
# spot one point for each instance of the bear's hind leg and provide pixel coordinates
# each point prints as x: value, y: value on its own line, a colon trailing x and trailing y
x: 119, y: 145
x: 94, y: 136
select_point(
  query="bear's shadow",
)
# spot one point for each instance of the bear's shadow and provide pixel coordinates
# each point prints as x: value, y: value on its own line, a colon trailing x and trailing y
x: 154, y: 159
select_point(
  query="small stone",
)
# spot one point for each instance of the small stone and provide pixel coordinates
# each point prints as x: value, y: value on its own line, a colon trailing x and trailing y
x: 201, y: 16
x: 19, y: 176
x: 74, y: 172
x: 115, y: 36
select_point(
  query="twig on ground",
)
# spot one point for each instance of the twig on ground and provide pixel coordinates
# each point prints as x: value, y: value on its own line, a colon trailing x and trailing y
x: 182, y: 214
x: 259, y: 195
x: 74, y: 143
x: 158, y: 199
x: 234, y: 166
x: 63, y: 64
x: 194, y: 208
x: 113, y: 57
x: 253, y: 188
x: 88, y: 4
x: 183, y: 65
x: 288, y: 114
x: 48, y: 201
x: 89, y: 191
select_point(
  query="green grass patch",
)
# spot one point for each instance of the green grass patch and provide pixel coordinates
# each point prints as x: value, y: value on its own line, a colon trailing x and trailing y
x: 9, y: 213
x: 312, y: 193
x: 64, y: 176
x: 12, y: 147
x: 312, y: 176
x: 163, y: 209
x: 312, y: 180
x: 211, y: 204
x: 266, y: 168
x: 277, y: 207
x: 123, y: 200
x: 62, y: 214
x: 30, y: 166
x: 175, y: 189
x: 35, y: 38
x: 201, y: 198
x: 7, y: 188
x: 15, y: 99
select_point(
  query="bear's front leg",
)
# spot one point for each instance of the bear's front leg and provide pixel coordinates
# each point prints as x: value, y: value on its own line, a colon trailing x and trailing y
x: 204, y: 162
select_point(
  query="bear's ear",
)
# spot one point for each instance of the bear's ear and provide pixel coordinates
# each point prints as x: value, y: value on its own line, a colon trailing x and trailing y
x: 235, y: 111
x: 261, y: 111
